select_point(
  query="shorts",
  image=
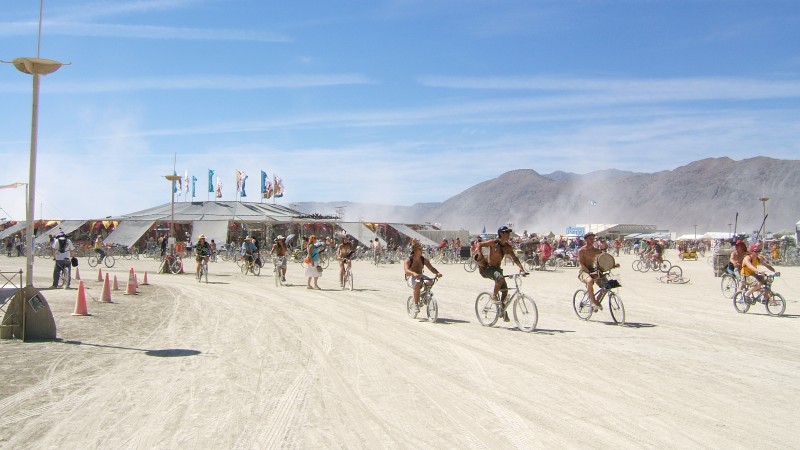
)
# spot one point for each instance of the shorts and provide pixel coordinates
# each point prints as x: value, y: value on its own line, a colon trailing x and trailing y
x: 584, y: 277
x: 760, y: 278
x: 491, y: 272
x: 199, y: 258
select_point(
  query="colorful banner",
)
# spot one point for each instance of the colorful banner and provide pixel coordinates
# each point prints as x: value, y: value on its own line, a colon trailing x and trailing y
x: 194, y: 184
x: 210, y: 180
x: 278, y: 187
x: 219, y: 188
x: 263, y: 182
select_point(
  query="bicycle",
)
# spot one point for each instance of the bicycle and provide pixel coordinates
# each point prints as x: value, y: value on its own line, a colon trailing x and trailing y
x: 278, y: 262
x: 526, y: 315
x: 108, y: 260
x: 174, y: 263
x: 348, y: 275
x: 580, y: 299
x: 250, y: 266
x: 773, y: 301
x: 730, y: 283
x: 425, y: 298
x: 203, y: 273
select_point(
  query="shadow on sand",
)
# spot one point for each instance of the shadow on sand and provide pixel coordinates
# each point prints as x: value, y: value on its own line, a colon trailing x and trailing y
x: 163, y: 353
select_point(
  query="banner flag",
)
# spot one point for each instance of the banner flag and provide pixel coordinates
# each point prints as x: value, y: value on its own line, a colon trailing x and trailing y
x: 238, y: 180
x: 16, y: 185
x: 194, y: 185
x: 263, y: 182
x: 219, y: 188
x: 175, y: 186
x: 267, y: 190
x: 244, y: 180
x: 210, y: 180
x: 278, y: 187
x: 186, y: 181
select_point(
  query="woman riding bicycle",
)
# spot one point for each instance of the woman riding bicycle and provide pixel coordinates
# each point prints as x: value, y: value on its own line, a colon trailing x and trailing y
x: 750, y: 268
x: 344, y: 253
x: 202, y: 251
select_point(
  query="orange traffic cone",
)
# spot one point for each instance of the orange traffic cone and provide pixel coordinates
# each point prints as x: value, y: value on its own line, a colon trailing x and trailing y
x: 106, y: 296
x: 80, y: 303
x: 77, y: 274
x: 99, y: 274
x: 144, y: 282
x: 116, y: 285
x: 131, y: 288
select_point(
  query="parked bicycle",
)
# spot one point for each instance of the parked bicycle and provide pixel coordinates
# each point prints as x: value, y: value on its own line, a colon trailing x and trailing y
x: 174, y: 263
x: 425, y: 298
x: 581, y: 303
x: 525, y: 313
x: 773, y: 301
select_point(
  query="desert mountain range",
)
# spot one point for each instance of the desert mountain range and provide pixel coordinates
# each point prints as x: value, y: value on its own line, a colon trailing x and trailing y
x: 707, y: 193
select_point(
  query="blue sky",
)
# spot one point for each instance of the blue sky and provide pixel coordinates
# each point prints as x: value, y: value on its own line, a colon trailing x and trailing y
x: 394, y: 102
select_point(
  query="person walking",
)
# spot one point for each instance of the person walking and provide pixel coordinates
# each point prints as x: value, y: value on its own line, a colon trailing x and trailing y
x: 313, y: 269
x: 62, y: 253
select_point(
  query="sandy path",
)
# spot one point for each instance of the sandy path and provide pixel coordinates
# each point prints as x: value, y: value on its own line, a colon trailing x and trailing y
x: 240, y: 363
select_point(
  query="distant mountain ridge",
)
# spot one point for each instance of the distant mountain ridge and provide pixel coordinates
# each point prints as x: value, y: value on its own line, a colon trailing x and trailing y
x: 707, y: 193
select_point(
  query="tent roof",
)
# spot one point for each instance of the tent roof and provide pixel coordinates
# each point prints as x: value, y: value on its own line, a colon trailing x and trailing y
x: 717, y: 235
x: 67, y: 226
x: 213, y: 210
x: 360, y: 232
x: 404, y: 229
x: 128, y: 232
x: 12, y: 229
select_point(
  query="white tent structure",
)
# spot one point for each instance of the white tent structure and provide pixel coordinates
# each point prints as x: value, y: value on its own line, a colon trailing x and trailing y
x: 717, y: 235
x: 406, y: 230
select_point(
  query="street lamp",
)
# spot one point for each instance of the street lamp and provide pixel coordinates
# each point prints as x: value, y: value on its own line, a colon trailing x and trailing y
x: 173, y: 179
x: 763, y: 201
x: 730, y: 230
x: 695, y: 232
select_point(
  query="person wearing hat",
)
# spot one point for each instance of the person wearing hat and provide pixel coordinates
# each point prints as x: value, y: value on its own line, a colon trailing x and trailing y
x: 279, y: 251
x: 589, y: 274
x: 313, y: 268
x: 414, y: 265
x: 62, y: 253
x: 489, y: 266
x: 750, y: 268
x: 202, y: 252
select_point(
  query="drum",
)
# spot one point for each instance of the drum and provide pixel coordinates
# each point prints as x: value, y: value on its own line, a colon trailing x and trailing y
x: 605, y: 262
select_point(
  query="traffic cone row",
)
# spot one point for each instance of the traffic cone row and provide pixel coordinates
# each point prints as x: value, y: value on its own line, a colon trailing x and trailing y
x: 80, y: 302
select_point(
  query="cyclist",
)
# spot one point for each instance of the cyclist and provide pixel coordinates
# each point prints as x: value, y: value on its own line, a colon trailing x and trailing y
x: 413, y: 267
x: 735, y: 262
x: 202, y: 251
x: 750, y: 268
x: 489, y: 266
x: 98, y: 248
x: 658, y: 250
x: 248, y: 250
x: 279, y: 249
x: 589, y: 274
x: 344, y: 253
x: 213, y: 251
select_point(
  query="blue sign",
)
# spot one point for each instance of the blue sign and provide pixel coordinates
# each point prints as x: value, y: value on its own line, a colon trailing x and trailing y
x: 579, y: 231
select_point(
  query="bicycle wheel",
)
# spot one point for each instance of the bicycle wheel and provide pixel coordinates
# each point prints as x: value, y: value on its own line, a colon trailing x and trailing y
x: 199, y: 275
x: 277, y: 275
x: 470, y: 265
x: 62, y: 279
x: 637, y: 265
x: 410, y: 307
x: 109, y: 261
x: 740, y: 303
x: 92, y: 261
x: 664, y: 266
x: 581, y: 304
x: 729, y: 285
x: 324, y: 260
x: 256, y: 269
x: 525, y: 313
x: 616, y: 308
x: 775, y: 304
x: 529, y: 264
x: 205, y: 272
x: 486, y: 310
x: 432, y: 309
x: 348, y: 280
x: 674, y: 274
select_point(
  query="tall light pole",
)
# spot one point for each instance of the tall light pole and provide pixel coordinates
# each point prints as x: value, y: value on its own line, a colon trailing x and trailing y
x: 36, y: 67
x: 695, y: 232
x: 730, y: 230
x: 173, y: 179
x: 763, y: 201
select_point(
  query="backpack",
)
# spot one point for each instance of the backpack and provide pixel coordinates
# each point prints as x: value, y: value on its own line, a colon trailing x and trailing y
x: 62, y: 245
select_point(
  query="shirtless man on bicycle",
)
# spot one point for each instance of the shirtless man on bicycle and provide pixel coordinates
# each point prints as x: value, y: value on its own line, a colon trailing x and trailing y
x: 202, y: 251
x: 589, y: 274
x: 344, y: 253
x: 489, y: 266
x: 279, y: 250
x: 414, y: 266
